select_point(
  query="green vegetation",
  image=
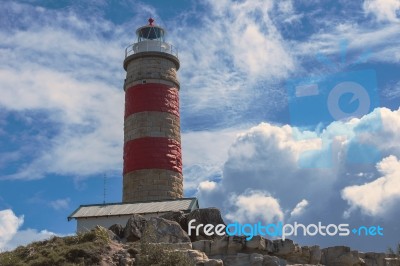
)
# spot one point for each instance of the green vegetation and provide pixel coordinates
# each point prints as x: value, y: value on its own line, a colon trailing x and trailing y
x: 83, y: 249
x: 93, y: 247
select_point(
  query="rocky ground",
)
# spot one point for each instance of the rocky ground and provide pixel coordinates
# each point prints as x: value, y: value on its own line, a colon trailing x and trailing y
x: 164, y: 241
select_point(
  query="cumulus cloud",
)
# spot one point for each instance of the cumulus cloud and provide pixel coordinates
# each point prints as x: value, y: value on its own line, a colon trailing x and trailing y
x: 11, y: 236
x: 9, y: 225
x: 384, y: 10
x: 24, y: 237
x: 204, y: 154
x: 254, y: 206
x: 380, y: 195
x: 299, y: 209
x: 263, y: 167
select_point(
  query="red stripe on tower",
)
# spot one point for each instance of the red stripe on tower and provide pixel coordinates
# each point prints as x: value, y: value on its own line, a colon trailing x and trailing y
x: 152, y: 153
x: 151, y: 97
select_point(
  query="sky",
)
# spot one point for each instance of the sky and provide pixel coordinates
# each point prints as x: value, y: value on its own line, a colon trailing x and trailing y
x: 289, y: 111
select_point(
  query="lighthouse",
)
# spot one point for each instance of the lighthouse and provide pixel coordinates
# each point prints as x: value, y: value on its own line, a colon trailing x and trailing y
x: 152, y: 170
x: 152, y: 157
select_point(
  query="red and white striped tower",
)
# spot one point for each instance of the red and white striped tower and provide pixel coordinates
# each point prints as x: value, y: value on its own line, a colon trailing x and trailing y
x: 152, y: 141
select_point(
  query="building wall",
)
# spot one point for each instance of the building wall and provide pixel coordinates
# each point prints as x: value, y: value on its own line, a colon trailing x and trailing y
x: 86, y: 224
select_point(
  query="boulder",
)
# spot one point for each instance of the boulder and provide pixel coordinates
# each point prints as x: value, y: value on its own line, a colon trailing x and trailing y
x: 392, y: 262
x: 117, y: 229
x: 199, y: 258
x: 254, y: 259
x: 203, y: 246
x: 110, y: 234
x: 315, y: 255
x: 160, y: 230
x: 340, y: 256
x: 373, y: 259
x: 284, y: 247
x: 273, y: 261
x: 178, y: 217
x: 204, y: 216
x: 228, y: 245
x: 256, y: 243
x: 134, y: 228
x: 259, y: 243
x: 219, y: 246
x: 240, y: 259
x: 304, y: 255
x: 213, y: 262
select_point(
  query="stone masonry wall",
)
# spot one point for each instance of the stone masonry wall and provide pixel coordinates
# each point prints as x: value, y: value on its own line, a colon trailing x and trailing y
x: 152, y: 142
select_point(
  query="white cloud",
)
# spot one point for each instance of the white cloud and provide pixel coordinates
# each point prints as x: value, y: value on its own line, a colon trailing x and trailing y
x: 364, y: 44
x: 235, y: 46
x: 60, y: 203
x: 204, y: 153
x: 254, y: 206
x: 299, y: 209
x: 392, y: 91
x: 10, y: 234
x: 9, y: 225
x: 380, y: 195
x: 75, y: 82
x: 384, y: 10
x: 263, y: 168
x: 27, y: 236
x: 207, y: 185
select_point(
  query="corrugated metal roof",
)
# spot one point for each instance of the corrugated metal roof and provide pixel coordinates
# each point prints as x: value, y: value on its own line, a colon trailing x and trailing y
x: 185, y: 204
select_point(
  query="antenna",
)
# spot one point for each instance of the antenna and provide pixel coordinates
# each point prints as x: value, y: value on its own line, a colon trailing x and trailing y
x: 105, y: 189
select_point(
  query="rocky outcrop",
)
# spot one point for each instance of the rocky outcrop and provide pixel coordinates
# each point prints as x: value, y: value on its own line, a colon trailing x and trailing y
x: 286, y: 251
x: 178, y: 217
x: 164, y: 241
x: 204, y: 216
x: 170, y: 232
x: 134, y: 228
x: 160, y: 230
x: 340, y: 256
x: 117, y: 229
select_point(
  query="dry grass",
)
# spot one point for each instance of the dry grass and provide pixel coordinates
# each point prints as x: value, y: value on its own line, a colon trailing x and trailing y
x: 83, y: 249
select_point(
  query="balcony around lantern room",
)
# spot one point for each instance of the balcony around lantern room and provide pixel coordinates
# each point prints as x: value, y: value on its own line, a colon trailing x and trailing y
x: 151, y: 46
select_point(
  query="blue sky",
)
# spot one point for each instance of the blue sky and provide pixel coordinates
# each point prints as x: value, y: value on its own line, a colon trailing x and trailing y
x: 250, y: 145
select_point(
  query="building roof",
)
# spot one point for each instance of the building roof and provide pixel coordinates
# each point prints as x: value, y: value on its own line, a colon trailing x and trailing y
x: 115, y: 209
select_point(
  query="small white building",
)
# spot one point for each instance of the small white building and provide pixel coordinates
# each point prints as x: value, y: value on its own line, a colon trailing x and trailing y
x: 88, y: 216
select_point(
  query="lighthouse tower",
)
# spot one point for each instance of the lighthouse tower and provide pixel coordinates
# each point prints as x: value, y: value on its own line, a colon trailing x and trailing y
x: 152, y: 142
x: 152, y: 172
